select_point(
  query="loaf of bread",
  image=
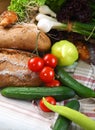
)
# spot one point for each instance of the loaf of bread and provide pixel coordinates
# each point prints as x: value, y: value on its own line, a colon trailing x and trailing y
x: 24, y: 37
x: 14, y: 69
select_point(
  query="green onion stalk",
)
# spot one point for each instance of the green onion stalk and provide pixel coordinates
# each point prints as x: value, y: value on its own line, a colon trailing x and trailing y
x: 86, y: 29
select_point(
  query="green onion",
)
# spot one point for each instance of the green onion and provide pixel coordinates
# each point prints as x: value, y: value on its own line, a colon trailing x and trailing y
x: 86, y: 29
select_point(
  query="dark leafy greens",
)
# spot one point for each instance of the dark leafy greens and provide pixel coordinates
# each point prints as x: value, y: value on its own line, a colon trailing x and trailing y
x: 55, y: 4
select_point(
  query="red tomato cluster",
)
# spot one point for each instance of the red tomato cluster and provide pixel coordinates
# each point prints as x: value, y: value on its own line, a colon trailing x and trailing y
x: 45, y: 66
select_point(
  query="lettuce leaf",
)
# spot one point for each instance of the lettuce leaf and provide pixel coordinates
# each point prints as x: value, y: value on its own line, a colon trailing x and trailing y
x: 20, y: 6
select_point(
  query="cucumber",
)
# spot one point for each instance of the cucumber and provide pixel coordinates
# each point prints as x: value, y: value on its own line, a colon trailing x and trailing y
x: 63, y: 123
x: 32, y: 93
x: 67, y: 80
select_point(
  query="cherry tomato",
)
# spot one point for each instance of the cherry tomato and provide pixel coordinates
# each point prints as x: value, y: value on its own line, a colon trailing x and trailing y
x: 49, y: 99
x: 53, y: 83
x: 50, y: 60
x: 36, y: 64
x: 47, y: 74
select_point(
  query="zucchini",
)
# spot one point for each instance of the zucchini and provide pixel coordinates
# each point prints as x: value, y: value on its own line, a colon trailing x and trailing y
x: 32, y: 93
x: 63, y: 123
x: 67, y: 80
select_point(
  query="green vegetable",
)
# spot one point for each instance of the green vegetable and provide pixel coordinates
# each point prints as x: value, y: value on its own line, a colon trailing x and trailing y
x: 73, y: 115
x: 86, y: 29
x: 44, y: 9
x: 32, y: 93
x: 80, y: 89
x: 55, y: 5
x: 21, y: 7
x: 65, y: 51
x: 63, y: 123
x: 18, y: 6
x: 91, y: 4
x: 24, y: 8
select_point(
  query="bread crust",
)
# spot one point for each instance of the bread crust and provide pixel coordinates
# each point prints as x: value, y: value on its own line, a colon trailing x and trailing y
x: 24, y: 37
x: 14, y: 69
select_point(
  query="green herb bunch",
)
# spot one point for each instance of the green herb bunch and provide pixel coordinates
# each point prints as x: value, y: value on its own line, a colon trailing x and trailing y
x: 20, y: 6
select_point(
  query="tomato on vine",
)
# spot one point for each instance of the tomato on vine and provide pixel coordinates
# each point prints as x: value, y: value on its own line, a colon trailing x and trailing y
x: 53, y: 83
x: 50, y: 60
x: 47, y: 74
x: 36, y: 64
x: 49, y: 99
